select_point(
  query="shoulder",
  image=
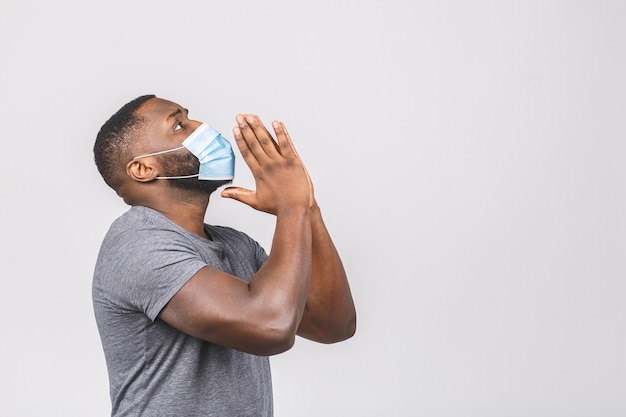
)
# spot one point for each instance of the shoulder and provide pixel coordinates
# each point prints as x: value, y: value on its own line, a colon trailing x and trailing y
x: 144, y: 259
x: 142, y: 234
x: 142, y: 223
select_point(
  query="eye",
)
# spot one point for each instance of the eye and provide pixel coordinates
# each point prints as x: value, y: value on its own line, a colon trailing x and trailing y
x: 178, y: 126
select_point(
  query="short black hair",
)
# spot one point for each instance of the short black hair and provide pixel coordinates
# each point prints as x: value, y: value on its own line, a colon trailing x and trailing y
x: 114, y: 138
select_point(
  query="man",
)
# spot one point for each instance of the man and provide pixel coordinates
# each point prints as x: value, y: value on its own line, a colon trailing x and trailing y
x: 188, y: 312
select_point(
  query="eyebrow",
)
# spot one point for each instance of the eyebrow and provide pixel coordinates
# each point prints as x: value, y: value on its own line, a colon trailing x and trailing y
x: 176, y: 113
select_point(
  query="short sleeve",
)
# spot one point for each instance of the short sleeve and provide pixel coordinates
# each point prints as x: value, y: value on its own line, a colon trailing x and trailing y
x: 147, y: 268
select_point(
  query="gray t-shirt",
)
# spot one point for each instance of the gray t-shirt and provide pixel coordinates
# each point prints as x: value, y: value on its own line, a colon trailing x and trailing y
x: 154, y: 369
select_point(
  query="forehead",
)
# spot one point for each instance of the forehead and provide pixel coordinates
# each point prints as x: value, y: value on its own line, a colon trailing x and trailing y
x: 158, y: 109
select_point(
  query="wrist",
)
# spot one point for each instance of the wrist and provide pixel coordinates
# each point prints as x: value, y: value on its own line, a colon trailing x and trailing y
x: 293, y: 211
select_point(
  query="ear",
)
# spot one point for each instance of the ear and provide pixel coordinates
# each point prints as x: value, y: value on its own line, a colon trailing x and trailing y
x: 142, y: 170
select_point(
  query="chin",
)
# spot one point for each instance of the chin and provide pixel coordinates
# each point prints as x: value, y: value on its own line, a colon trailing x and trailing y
x: 202, y: 186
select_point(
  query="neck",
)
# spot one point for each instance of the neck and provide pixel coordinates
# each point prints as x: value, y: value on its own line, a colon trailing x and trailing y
x: 186, y: 209
x: 188, y: 216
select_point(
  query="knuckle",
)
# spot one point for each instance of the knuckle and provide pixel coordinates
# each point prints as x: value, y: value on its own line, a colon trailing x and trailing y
x: 269, y: 168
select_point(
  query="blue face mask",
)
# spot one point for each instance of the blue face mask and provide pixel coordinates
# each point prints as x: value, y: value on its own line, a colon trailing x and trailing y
x: 217, y: 160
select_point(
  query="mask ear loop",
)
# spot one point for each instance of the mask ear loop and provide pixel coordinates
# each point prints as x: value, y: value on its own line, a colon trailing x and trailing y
x: 180, y: 177
x: 157, y: 153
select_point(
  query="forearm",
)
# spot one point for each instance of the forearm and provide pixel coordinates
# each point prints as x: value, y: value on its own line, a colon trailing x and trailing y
x: 279, y: 289
x: 330, y: 314
x: 260, y: 317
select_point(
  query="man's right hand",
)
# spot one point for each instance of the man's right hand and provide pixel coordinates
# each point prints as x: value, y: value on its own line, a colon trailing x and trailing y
x: 282, y: 182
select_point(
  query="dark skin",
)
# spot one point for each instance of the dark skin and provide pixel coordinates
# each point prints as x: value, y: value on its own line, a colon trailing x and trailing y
x: 302, y: 288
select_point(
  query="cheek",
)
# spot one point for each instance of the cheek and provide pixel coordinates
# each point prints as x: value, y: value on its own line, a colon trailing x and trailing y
x: 181, y: 164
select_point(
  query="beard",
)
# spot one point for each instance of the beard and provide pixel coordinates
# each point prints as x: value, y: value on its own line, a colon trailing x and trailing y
x: 187, y: 164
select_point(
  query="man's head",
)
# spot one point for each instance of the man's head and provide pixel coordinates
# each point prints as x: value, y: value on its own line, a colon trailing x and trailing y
x: 148, y: 125
x: 115, y: 141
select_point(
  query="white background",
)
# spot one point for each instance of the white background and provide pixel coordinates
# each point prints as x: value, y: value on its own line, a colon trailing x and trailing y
x: 469, y: 158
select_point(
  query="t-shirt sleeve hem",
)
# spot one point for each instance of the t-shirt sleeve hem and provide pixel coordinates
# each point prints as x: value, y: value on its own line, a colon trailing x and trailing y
x: 155, y: 309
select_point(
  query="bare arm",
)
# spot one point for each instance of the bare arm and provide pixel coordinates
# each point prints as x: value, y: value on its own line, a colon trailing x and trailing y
x: 261, y: 317
x: 329, y: 315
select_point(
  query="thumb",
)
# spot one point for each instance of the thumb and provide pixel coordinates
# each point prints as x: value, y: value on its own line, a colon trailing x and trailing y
x: 240, y: 194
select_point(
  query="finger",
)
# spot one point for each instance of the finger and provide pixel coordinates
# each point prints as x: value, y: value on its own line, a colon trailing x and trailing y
x: 245, y: 123
x: 249, y: 138
x: 240, y: 194
x: 275, y: 142
x: 283, y: 134
x: 242, y: 144
x: 285, y: 145
x: 263, y: 136
x: 284, y: 140
x: 289, y: 142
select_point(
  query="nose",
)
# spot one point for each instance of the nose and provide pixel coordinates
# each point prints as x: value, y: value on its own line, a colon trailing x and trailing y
x: 194, y: 124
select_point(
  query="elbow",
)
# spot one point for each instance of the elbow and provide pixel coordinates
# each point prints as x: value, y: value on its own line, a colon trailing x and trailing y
x: 339, y: 331
x: 350, y: 327
x: 277, y: 336
x: 277, y: 346
x: 346, y: 331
